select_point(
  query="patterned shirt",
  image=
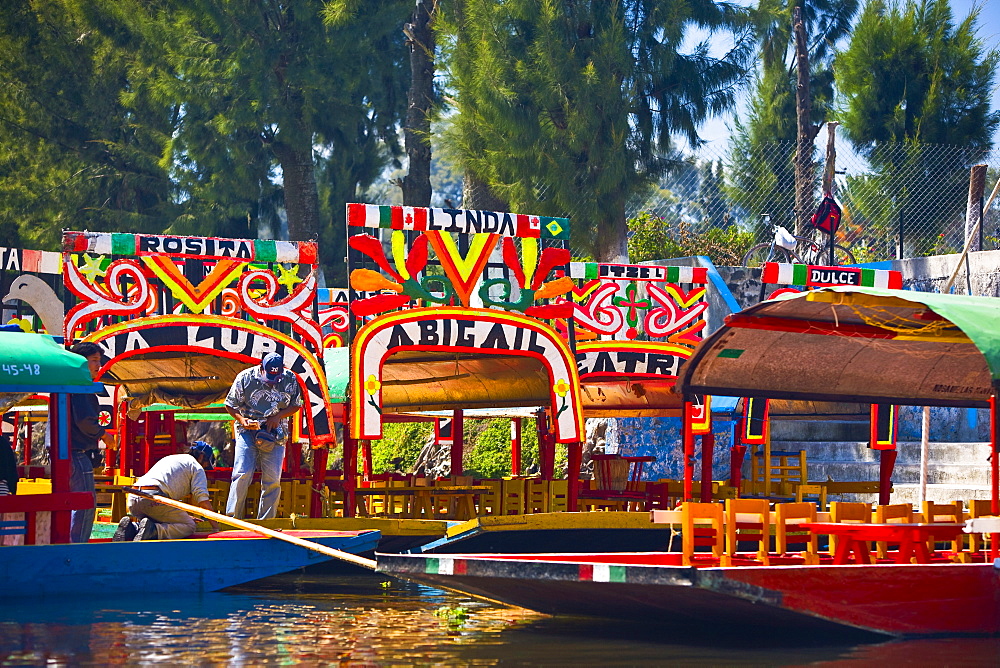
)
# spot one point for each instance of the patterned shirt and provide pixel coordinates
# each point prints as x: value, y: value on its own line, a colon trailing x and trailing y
x: 252, y: 398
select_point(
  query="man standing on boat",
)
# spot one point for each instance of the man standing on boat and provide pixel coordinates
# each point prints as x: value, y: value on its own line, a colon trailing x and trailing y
x: 260, y: 400
x: 176, y: 477
x: 86, y: 433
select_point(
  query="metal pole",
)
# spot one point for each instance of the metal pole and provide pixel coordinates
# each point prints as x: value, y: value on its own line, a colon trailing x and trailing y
x: 899, y: 253
x: 925, y: 434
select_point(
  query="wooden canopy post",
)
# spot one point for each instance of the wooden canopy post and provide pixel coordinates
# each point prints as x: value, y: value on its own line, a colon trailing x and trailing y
x: 707, y: 450
x: 994, y: 467
x: 60, y: 455
x: 515, y: 446
x: 366, y: 462
x: 884, y: 421
x: 886, y: 465
x: 318, y: 482
x: 350, y: 475
x: 687, y: 438
x: 457, y: 441
x: 546, y: 447
x: 574, y: 458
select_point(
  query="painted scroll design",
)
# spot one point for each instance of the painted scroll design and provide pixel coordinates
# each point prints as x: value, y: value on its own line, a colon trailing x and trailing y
x: 637, y: 306
x: 108, y: 299
x: 405, y: 279
x: 295, y: 309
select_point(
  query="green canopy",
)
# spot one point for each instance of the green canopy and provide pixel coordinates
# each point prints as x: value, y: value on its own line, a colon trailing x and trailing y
x: 855, y: 344
x: 337, y: 362
x: 36, y: 363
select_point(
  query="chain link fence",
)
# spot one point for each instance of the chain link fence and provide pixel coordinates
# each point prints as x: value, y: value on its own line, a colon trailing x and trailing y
x: 898, y: 200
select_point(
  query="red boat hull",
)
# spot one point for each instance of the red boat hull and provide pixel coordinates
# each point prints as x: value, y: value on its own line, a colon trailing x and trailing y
x: 895, y: 600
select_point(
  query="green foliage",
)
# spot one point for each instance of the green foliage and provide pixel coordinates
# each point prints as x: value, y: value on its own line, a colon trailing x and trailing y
x: 910, y: 78
x: 487, y: 452
x: 654, y: 238
x: 75, y: 150
x: 571, y: 108
x: 911, y: 74
x: 399, y: 446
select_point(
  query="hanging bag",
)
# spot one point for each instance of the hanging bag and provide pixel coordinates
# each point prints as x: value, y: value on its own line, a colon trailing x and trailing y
x: 827, y: 216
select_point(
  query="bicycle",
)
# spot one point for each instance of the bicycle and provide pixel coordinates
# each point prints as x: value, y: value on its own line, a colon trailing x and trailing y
x: 786, y: 247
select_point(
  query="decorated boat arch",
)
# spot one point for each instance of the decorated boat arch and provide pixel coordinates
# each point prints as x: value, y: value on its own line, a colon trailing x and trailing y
x: 179, y: 316
x: 452, y: 309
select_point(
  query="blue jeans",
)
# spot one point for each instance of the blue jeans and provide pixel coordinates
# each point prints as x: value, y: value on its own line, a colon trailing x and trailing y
x: 249, y: 457
x: 82, y: 480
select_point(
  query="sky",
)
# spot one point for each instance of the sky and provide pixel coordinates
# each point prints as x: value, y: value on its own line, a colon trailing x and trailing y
x: 717, y: 131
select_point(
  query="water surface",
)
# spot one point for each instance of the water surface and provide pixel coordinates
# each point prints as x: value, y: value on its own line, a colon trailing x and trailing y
x: 369, y: 620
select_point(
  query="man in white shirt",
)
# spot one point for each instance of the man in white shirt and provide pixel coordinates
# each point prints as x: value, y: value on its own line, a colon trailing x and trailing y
x: 176, y: 477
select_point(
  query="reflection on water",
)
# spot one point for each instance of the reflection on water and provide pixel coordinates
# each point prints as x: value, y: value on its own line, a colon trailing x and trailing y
x: 366, y: 620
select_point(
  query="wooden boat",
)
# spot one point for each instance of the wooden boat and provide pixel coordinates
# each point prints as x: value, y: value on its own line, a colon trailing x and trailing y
x: 48, y: 564
x: 909, y: 600
x: 199, y: 564
x: 875, y: 345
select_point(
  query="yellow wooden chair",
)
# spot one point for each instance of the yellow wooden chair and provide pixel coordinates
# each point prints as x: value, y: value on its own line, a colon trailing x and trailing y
x: 896, y: 513
x: 747, y: 520
x: 512, y: 501
x: 489, y: 501
x: 978, y: 508
x: 558, y: 496
x: 536, y: 496
x: 787, y: 517
x: 946, y: 512
x: 812, y: 489
x: 850, y: 512
x: 701, y: 525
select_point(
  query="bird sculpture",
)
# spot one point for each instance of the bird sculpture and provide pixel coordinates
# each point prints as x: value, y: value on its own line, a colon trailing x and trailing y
x: 42, y: 298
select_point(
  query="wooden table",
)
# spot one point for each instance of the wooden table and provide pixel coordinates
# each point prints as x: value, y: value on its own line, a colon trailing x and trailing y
x: 422, y: 505
x: 912, y: 539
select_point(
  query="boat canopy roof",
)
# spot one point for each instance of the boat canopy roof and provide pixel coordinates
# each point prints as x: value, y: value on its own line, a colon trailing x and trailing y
x: 855, y: 344
x: 32, y: 363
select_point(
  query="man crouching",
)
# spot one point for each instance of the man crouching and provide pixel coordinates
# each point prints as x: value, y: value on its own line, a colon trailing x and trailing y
x: 176, y: 477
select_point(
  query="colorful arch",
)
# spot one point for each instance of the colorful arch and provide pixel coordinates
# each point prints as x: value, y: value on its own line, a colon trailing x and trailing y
x: 220, y: 336
x: 461, y: 330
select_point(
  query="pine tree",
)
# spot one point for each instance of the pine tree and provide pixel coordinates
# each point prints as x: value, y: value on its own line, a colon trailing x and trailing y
x: 573, y: 108
x: 79, y: 143
x: 911, y: 79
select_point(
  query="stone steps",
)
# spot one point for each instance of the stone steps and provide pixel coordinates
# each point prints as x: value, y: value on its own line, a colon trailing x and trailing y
x: 955, y: 470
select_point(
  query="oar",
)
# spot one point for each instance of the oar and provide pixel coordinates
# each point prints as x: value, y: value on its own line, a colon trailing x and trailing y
x: 264, y: 531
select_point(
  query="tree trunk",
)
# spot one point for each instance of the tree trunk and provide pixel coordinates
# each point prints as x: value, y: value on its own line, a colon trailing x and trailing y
x: 805, y: 130
x: 611, y: 242
x: 301, y: 195
x: 417, y: 132
x: 476, y: 194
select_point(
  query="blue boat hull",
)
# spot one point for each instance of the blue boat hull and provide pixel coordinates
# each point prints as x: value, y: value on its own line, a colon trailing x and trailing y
x: 192, y: 565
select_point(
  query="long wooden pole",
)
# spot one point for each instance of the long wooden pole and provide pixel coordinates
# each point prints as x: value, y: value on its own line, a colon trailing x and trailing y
x: 264, y: 531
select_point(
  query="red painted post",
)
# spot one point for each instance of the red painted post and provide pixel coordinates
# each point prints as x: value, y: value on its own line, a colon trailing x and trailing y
x: 575, y: 455
x: 707, y: 450
x: 546, y: 448
x: 994, y: 469
x: 688, y: 440
x: 318, y: 482
x: 515, y: 446
x: 457, y: 441
x: 60, y: 454
x: 886, y: 464
x: 366, y: 462
x: 350, y: 475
